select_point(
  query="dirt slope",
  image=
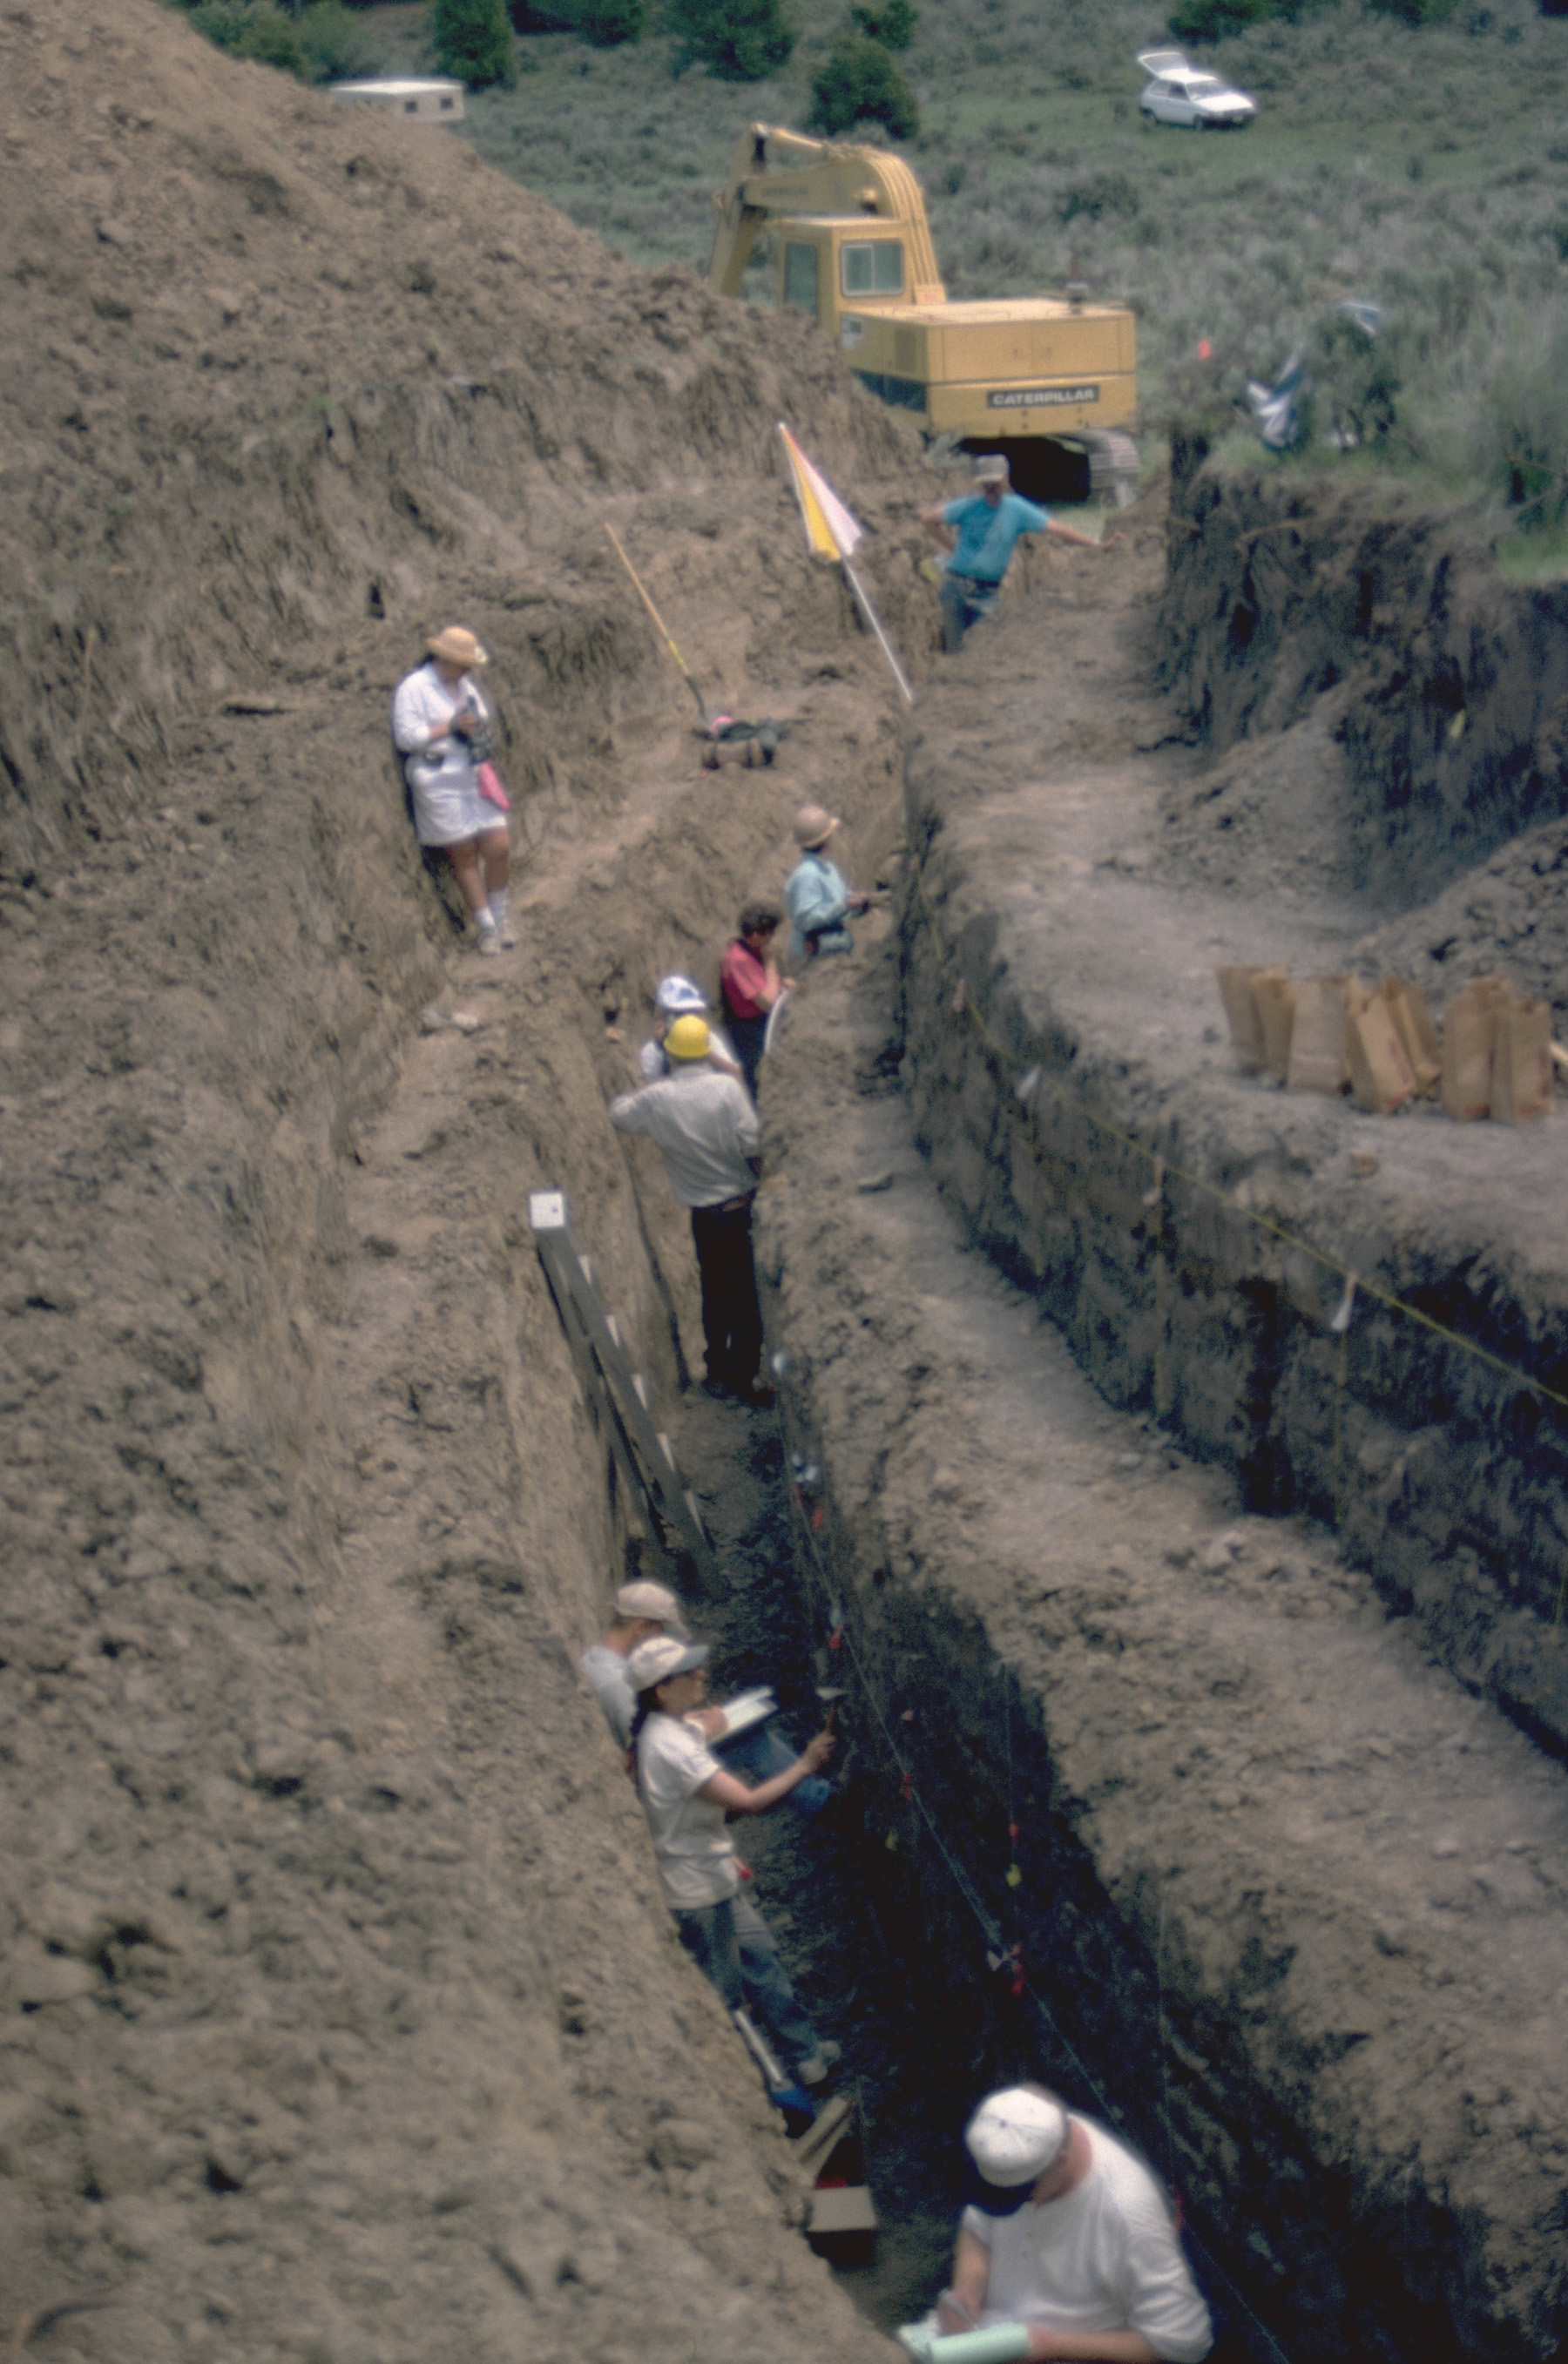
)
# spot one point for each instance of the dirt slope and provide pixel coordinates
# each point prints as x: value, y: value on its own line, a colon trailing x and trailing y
x: 341, y: 2018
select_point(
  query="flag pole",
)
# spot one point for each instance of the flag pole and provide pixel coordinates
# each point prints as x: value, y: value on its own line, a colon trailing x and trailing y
x: 664, y: 628
x: 832, y: 533
x: 875, y: 621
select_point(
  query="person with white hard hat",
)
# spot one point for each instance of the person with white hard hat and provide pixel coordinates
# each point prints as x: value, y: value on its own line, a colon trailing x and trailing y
x: 687, y: 1798
x: 441, y: 727
x: 705, y: 1124
x: 677, y: 997
x: 1069, y: 2235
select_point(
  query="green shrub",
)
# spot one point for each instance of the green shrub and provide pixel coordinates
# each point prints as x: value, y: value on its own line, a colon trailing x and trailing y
x: 1415, y: 12
x: 859, y: 82
x: 473, y: 41
x: 893, y: 23
x: 739, y: 40
x: 608, y: 23
x: 1211, y: 20
x: 1522, y: 432
x: 336, y: 47
x: 253, y: 28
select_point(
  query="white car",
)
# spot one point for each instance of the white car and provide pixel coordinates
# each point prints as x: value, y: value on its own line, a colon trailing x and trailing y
x: 1179, y: 93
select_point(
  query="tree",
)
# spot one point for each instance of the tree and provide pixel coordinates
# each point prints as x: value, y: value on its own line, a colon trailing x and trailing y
x: 739, y: 40
x: 859, y: 82
x: 893, y: 23
x: 471, y: 40
x: 607, y: 23
x: 1211, y: 20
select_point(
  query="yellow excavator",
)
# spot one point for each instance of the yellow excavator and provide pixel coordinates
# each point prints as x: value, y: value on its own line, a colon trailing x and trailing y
x: 1048, y: 381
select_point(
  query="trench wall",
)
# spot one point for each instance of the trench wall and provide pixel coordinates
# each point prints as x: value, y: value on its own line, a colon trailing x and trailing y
x: 1281, y: 585
x: 1445, y: 1472
x: 1221, y: 1934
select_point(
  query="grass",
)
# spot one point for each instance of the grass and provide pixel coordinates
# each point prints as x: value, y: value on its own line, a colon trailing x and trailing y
x: 1422, y: 168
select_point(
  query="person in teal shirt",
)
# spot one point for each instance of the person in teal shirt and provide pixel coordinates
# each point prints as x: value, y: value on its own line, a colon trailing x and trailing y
x: 977, y: 534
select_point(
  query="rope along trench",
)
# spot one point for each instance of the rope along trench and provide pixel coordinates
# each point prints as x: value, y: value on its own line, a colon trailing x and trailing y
x: 1162, y: 1170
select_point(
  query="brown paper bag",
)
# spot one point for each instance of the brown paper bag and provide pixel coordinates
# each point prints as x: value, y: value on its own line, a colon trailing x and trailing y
x: 1276, y: 996
x: 1381, y: 1079
x: 1417, y: 1034
x: 1470, y: 1024
x: 1317, y: 1061
x: 1521, y: 1061
x: 1241, y: 1014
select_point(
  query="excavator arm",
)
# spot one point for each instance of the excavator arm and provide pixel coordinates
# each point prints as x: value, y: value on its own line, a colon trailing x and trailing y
x: 773, y: 172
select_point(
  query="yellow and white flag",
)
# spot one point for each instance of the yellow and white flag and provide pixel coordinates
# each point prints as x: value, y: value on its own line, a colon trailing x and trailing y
x: 831, y: 531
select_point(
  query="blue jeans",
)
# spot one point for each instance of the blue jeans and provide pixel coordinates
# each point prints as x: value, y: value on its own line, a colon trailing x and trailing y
x: 732, y: 1946
x: 761, y: 1753
x: 964, y: 602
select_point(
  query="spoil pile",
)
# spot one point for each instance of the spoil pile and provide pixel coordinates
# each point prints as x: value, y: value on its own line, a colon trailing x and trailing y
x: 339, y: 2015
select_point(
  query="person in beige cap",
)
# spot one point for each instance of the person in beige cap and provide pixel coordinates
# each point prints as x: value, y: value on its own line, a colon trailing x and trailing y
x: 642, y: 1611
x: 818, y: 900
x: 1069, y: 2234
x: 441, y: 727
x: 977, y: 533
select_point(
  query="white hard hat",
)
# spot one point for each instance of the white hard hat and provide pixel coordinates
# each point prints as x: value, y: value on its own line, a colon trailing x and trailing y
x: 679, y: 997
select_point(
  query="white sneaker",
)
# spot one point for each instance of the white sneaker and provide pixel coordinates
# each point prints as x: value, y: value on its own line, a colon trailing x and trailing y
x: 489, y: 942
x: 816, y: 2069
x: 508, y: 937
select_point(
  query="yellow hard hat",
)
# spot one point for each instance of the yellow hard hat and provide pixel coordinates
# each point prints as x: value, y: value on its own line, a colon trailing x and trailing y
x: 688, y: 1038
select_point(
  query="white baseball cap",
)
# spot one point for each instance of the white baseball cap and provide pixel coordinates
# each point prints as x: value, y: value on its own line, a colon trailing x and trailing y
x: 655, y: 1660
x: 1015, y: 2134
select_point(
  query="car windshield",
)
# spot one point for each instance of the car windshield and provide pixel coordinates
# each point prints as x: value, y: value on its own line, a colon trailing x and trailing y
x: 1204, y: 86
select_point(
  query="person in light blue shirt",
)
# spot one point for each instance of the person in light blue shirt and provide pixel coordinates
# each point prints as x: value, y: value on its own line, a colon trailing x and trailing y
x: 977, y: 533
x: 817, y: 899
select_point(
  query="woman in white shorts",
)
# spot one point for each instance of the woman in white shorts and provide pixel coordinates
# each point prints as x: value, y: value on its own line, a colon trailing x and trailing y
x: 438, y: 721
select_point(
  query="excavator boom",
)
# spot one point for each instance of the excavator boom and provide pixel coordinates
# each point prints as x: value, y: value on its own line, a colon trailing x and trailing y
x: 774, y: 172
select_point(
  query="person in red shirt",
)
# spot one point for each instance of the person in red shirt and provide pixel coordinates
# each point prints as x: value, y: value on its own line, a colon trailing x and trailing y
x: 750, y: 984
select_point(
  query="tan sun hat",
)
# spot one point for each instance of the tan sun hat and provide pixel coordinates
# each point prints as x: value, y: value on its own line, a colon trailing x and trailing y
x: 991, y: 468
x: 455, y: 646
x: 813, y: 827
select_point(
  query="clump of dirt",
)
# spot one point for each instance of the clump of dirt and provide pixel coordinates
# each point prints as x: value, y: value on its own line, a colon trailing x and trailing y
x: 1511, y: 915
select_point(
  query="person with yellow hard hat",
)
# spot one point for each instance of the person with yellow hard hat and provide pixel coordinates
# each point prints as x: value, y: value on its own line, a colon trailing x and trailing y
x: 705, y: 1124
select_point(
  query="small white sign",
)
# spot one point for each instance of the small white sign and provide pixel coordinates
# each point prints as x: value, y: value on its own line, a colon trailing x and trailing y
x: 850, y: 330
x: 547, y: 1210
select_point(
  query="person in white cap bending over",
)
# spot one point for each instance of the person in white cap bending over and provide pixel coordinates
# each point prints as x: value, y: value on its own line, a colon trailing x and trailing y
x: 708, y: 1130
x: 1070, y: 2236
x: 441, y: 727
x: 978, y: 532
x: 818, y: 900
x: 688, y: 1796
